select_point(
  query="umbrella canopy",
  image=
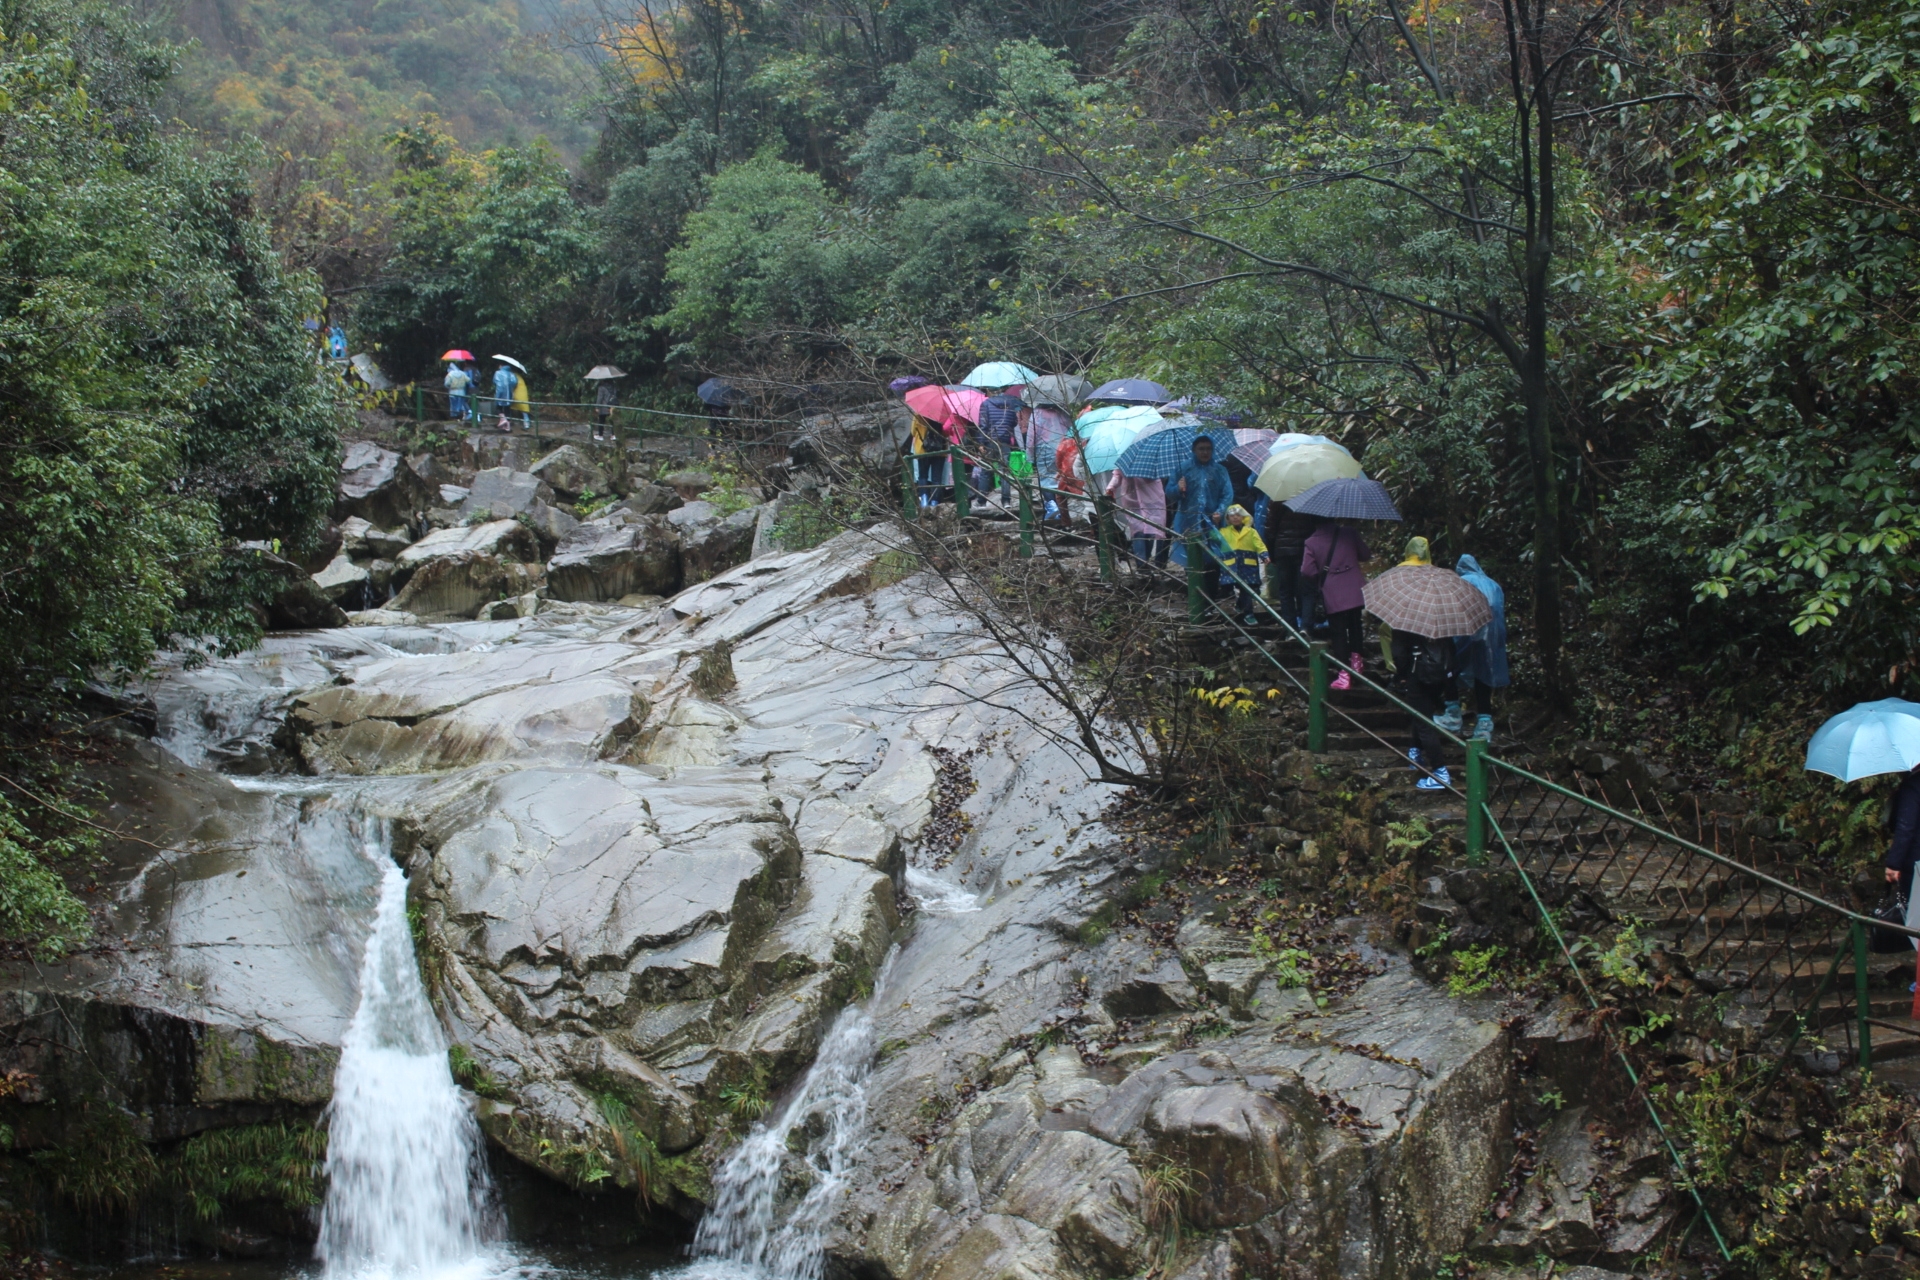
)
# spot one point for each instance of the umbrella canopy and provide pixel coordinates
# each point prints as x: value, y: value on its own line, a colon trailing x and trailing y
x: 510, y: 360
x: 1131, y: 391
x: 1062, y: 390
x: 900, y: 386
x: 1105, y: 433
x: 1159, y: 453
x: 1428, y: 601
x: 1867, y: 739
x: 457, y: 354
x: 1293, y: 471
x: 999, y: 373
x: 717, y: 393
x: 941, y: 405
x: 1251, y: 446
x: 602, y: 372
x: 1356, y: 499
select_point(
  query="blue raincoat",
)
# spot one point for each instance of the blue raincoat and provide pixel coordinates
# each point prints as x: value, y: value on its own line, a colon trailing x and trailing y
x: 1482, y: 656
x: 1209, y: 489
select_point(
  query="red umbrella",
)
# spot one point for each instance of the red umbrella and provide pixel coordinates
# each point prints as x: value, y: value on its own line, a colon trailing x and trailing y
x: 457, y: 354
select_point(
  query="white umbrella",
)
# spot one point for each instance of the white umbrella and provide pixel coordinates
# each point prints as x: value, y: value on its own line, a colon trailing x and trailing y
x: 603, y: 371
x: 510, y: 360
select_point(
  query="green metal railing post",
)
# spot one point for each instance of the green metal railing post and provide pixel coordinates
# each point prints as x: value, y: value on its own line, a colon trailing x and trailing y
x: 1317, y: 696
x: 1196, y: 583
x: 1476, y: 803
x: 962, y: 483
x: 910, y: 496
x: 1026, y: 521
x: 1863, y: 1007
x: 1102, y: 535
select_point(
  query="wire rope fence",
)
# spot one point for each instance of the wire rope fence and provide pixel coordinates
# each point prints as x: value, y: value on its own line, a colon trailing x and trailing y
x: 1782, y: 958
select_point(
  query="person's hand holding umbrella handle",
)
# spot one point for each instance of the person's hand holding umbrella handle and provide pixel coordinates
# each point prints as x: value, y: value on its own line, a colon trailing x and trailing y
x: 1893, y: 876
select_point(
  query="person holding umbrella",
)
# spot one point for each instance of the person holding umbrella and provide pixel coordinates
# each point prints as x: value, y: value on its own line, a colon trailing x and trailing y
x: 456, y: 382
x: 1002, y: 419
x: 1425, y: 606
x: 605, y: 397
x: 1202, y: 491
x: 1864, y: 741
x: 1332, y: 556
x: 1141, y: 504
x: 504, y: 379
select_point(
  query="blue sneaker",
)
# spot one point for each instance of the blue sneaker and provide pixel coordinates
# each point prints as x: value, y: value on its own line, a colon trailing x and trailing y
x: 1413, y: 759
x: 1439, y: 780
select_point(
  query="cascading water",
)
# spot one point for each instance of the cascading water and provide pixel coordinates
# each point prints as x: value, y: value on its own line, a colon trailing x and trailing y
x: 741, y: 1236
x: 408, y: 1189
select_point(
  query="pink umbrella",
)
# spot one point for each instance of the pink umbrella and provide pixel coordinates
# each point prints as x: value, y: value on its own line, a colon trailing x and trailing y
x: 950, y: 407
x: 1252, y: 444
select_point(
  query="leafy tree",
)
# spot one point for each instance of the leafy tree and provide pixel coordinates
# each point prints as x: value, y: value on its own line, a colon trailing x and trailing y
x: 1778, y: 329
x: 161, y: 403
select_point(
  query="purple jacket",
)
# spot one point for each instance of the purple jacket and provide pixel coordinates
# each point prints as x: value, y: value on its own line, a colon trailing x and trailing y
x: 1337, y: 551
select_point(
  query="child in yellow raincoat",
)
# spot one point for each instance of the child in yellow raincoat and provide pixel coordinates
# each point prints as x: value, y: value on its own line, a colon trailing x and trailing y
x: 522, y: 403
x: 1242, y: 557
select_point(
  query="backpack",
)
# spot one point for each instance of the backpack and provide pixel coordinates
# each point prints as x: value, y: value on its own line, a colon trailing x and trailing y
x: 1428, y: 666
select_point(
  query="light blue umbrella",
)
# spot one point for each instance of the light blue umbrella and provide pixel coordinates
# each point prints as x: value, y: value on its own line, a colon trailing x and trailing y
x: 1867, y: 739
x: 1160, y: 453
x: 999, y: 373
x: 1294, y: 439
x: 1106, y: 433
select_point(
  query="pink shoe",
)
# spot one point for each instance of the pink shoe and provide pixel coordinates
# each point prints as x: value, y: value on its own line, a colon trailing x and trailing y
x: 1357, y: 662
x: 1341, y: 681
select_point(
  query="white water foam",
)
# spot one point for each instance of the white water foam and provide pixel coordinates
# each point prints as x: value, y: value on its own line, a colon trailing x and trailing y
x: 938, y: 896
x: 742, y: 1237
x: 408, y: 1190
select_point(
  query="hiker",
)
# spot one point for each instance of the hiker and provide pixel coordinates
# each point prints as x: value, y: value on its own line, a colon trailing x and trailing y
x: 1332, y: 555
x: 1245, y: 553
x: 1141, y: 504
x: 522, y: 405
x: 503, y: 382
x: 1481, y: 658
x: 605, y: 397
x: 1047, y: 426
x: 456, y: 382
x: 1291, y: 591
x: 1001, y: 421
x: 1903, y: 817
x: 1425, y: 670
x: 929, y: 461
x: 1200, y: 493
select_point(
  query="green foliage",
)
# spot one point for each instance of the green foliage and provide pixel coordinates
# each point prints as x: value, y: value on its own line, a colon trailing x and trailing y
x: 103, y: 1167
x: 1473, y: 970
x: 291, y: 71
x: 469, y: 1074
x: 1777, y: 326
x: 769, y: 251
x: 282, y: 1163
x: 1620, y: 962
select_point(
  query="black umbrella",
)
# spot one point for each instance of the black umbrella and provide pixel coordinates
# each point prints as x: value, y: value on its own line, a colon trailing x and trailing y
x: 1357, y: 498
x: 718, y: 394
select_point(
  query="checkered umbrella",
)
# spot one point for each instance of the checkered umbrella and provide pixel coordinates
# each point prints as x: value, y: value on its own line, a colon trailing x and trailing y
x: 1358, y: 498
x: 1252, y: 445
x: 1160, y: 453
x: 1428, y: 601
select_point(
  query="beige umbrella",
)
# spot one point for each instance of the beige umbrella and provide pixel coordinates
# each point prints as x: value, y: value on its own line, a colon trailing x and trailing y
x: 1292, y: 472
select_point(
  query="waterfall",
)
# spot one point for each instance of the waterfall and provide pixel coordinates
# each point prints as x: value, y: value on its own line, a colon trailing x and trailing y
x: 938, y: 896
x: 407, y: 1187
x: 739, y: 1236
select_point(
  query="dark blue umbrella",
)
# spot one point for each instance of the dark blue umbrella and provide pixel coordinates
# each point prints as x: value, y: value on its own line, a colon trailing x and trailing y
x: 1357, y: 498
x: 1132, y: 391
x: 718, y: 394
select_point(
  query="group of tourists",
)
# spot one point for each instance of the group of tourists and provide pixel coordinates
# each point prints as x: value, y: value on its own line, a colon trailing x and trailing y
x: 1307, y: 568
x: 509, y: 398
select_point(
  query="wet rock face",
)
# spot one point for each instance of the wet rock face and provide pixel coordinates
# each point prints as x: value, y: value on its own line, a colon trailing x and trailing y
x: 609, y: 559
x: 378, y: 486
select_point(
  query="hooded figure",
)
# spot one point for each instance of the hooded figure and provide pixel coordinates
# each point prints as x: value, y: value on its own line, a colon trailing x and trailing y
x: 1480, y: 659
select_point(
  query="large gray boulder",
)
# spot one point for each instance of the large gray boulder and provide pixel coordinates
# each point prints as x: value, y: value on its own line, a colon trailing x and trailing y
x: 340, y: 578
x: 502, y: 493
x: 572, y: 471
x: 605, y: 560
x: 378, y: 486
x: 457, y: 585
x: 550, y: 525
x: 715, y: 546
x: 502, y: 539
